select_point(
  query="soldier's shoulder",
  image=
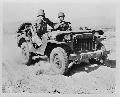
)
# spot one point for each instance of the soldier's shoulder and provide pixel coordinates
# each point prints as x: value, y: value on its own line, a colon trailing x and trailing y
x: 48, y: 20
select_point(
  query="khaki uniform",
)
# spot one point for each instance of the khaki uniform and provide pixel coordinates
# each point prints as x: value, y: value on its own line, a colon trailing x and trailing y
x: 62, y: 25
x: 41, y: 26
x: 40, y: 38
x: 65, y: 26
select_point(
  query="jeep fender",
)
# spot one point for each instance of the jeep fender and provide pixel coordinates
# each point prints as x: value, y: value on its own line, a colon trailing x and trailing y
x: 53, y: 44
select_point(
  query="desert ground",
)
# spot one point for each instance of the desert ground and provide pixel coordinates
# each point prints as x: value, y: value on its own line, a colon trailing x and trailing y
x: 37, y: 78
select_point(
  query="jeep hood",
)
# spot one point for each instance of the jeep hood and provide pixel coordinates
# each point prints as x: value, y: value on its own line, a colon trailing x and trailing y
x: 56, y: 33
x: 53, y: 34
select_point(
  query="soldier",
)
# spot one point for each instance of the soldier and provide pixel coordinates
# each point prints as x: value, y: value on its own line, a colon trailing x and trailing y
x: 41, y: 28
x: 41, y: 23
x: 62, y: 25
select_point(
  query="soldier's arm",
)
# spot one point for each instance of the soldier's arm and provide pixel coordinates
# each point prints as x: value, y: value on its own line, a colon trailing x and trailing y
x: 50, y: 23
x: 57, y: 25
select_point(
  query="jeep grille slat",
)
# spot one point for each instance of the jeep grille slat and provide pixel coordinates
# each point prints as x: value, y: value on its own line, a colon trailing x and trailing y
x: 84, y: 43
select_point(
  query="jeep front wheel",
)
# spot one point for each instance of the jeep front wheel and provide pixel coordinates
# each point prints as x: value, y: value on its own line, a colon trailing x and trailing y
x: 59, y: 60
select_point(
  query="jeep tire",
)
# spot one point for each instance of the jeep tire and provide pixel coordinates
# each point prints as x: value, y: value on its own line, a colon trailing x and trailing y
x: 59, y: 60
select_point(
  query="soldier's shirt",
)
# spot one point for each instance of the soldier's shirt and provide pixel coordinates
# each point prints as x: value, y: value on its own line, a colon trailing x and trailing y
x: 64, y: 27
x: 41, y: 25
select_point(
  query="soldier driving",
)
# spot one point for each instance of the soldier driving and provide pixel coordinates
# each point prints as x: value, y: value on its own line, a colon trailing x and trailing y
x: 41, y: 23
x: 62, y: 25
x: 41, y: 28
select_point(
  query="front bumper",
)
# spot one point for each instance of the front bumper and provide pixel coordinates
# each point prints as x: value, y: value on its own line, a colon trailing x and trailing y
x: 88, y: 55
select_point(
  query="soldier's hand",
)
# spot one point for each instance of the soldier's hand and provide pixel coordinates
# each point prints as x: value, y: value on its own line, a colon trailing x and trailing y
x: 61, y: 23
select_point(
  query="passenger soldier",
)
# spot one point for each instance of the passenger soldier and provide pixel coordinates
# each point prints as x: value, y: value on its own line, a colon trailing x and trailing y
x: 62, y: 25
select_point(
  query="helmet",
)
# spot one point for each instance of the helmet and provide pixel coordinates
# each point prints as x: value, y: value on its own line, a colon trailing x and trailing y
x: 61, y: 14
x: 41, y: 13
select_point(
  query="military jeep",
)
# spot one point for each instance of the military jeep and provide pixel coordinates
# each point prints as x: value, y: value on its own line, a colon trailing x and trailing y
x: 65, y: 48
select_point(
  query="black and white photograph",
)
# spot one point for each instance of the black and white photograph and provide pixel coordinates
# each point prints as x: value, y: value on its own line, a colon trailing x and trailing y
x: 60, y: 47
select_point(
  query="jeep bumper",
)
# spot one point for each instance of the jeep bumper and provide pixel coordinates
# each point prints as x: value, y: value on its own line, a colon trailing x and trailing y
x: 84, y: 56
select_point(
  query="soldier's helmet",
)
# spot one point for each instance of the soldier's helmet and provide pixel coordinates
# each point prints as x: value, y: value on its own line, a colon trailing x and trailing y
x: 61, y: 14
x: 41, y: 13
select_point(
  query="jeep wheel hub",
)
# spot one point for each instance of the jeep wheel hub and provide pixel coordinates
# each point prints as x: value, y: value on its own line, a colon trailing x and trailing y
x: 57, y: 61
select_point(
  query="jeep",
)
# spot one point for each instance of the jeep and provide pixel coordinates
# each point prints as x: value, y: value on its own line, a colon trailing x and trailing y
x: 64, y: 48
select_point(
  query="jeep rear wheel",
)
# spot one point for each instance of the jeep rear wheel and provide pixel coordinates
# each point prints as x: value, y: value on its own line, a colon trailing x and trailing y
x: 59, y: 60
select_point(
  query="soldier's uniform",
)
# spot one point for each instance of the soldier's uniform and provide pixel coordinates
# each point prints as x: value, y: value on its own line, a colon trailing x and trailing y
x: 41, y: 23
x: 62, y: 25
x: 40, y: 38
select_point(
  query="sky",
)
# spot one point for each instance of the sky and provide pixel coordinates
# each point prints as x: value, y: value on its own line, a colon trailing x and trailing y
x: 78, y: 13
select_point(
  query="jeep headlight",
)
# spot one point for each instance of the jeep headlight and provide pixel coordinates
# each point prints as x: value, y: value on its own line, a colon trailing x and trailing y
x: 67, y: 37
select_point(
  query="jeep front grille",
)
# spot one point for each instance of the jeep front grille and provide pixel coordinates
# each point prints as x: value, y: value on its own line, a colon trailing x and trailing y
x: 84, y: 42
